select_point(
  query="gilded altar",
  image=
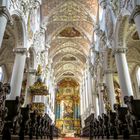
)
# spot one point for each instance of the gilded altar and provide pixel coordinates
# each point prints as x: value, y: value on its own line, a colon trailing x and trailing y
x: 68, y: 107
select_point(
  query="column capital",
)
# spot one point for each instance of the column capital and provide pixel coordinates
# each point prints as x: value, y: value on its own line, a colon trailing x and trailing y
x: 4, y: 11
x: 109, y: 71
x: 32, y: 71
x: 22, y: 51
x: 135, y: 12
x: 99, y: 32
x: 94, y: 51
x: 119, y: 50
x: 103, y: 3
x: 44, y: 51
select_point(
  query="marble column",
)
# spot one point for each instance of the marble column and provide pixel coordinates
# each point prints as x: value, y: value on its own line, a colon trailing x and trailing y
x: 100, y: 97
x: 87, y: 95
x: 123, y: 72
x: 95, y: 99
x: 57, y: 110
x: 110, y: 86
x: 83, y: 104
x: 30, y: 81
x: 4, y: 18
x: 135, y: 15
x: 96, y: 105
x: 81, y: 101
x: 75, y: 110
x: 90, y: 93
x: 84, y: 95
x: 18, y: 71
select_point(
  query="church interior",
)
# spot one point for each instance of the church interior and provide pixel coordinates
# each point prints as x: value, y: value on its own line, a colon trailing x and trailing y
x: 69, y: 69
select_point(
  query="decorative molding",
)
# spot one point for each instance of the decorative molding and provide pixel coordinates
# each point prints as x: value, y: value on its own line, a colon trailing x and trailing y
x: 119, y: 50
x: 32, y: 71
x: 134, y: 13
x: 22, y: 51
x: 103, y: 3
x: 4, y: 11
x: 109, y: 71
x: 101, y: 34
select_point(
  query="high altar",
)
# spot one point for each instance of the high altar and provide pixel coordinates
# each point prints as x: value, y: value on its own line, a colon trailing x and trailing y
x: 68, y: 107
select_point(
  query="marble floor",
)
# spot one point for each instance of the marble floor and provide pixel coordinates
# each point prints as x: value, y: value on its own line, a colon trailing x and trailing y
x: 120, y: 138
x: 131, y: 138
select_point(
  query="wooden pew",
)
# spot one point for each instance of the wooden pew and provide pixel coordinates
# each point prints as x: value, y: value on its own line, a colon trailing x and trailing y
x: 121, y: 121
x: 24, y: 125
x: 32, y: 124
x: 14, y: 117
x: 57, y: 132
x: 4, y: 90
x: 113, y: 125
x: 48, y: 122
x: 100, y: 127
x: 88, y: 129
x: 106, y: 125
x: 134, y: 113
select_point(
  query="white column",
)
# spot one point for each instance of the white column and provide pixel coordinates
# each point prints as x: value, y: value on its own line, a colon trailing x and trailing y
x: 110, y: 86
x: 135, y: 16
x: 87, y: 95
x: 95, y: 99
x: 17, y: 74
x: 84, y: 98
x: 81, y: 101
x: 123, y: 72
x: 30, y: 81
x: 82, y: 104
x: 4, y: 18
x: 90, y: 93
x: 101, y: 101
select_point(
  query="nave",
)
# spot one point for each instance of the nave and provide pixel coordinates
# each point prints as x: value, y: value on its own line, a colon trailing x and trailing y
x: 69, y: 68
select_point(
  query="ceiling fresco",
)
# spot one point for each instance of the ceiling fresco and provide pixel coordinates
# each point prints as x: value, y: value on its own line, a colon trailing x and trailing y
x: 69, y: 31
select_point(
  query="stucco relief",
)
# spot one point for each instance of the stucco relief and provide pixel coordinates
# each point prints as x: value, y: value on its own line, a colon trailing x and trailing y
x: 115, y: 6
x: 109, y: 23
x: 127, y: 4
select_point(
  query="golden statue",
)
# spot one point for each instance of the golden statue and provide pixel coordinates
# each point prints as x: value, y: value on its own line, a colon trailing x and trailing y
x: 39, y: 70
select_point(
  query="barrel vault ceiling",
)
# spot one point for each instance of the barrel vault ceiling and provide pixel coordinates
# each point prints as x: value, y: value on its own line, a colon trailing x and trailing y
x: 69, y: 32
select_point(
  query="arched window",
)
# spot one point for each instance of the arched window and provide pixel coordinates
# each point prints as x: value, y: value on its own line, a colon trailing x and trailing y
x: 138, y: 77
x: 1, y: 74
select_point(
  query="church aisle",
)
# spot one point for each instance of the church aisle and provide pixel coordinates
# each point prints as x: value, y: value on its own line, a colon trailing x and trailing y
x: 131, y: 138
